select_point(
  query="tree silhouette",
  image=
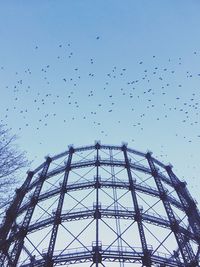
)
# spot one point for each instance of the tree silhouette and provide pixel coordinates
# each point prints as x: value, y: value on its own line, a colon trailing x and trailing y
x: 12, y: 160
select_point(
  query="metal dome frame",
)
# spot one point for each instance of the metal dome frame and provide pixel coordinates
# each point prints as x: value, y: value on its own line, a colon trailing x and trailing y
x: 13, y: 234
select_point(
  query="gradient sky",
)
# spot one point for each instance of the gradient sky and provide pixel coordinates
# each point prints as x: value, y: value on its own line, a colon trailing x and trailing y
x: 72, y: 72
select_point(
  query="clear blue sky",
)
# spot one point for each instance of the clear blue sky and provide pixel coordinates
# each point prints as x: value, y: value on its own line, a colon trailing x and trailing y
x: 72, y: 72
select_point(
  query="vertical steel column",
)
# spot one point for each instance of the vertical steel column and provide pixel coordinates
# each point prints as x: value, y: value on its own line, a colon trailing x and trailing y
x: 115, y: 197
x: 97, y: 213
x: 24, y: 228
x: 11, y: 215
x: 138, y: 215
x: 184, y: 246
x: 57, y: 219
x: 188, y: 203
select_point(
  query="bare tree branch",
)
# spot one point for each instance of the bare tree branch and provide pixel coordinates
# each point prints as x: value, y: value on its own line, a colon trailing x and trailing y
x: 12, y: 160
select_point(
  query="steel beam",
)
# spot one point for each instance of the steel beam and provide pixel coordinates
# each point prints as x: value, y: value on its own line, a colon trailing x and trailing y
x: 146, y: 260
x: 185, y: 247
x: 57, y: 216
x: 19, y: 238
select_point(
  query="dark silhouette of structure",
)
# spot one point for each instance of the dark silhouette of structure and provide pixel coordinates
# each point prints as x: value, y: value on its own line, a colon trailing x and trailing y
x: 101, y: 205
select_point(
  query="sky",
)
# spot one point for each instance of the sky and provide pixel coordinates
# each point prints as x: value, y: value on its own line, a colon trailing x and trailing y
x: 72, y: 72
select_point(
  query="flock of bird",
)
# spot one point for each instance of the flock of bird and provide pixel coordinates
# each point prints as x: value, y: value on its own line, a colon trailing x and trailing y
x: 141, y: 88
x: 102, y: 97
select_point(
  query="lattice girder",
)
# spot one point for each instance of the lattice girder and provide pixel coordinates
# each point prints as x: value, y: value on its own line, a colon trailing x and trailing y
x: 101, y: 205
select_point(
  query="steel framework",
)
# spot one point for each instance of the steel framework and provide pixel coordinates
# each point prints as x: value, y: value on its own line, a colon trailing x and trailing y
x: 101, y: 205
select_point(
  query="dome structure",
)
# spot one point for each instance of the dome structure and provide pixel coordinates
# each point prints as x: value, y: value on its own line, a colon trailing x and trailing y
x: 101, y: 205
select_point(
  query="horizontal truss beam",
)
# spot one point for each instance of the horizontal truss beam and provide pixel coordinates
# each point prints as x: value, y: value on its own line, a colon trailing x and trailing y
x: 103, y: 184
x: 113, y: 254
x: 102, y: 162
x: 80, y: 214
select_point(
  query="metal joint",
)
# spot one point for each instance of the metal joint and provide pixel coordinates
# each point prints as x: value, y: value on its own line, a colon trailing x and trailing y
x: 175, y: 227
x: 97, y: 146
x: 97, y: 163
x: 97, y: 214
x: 97, y: 185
